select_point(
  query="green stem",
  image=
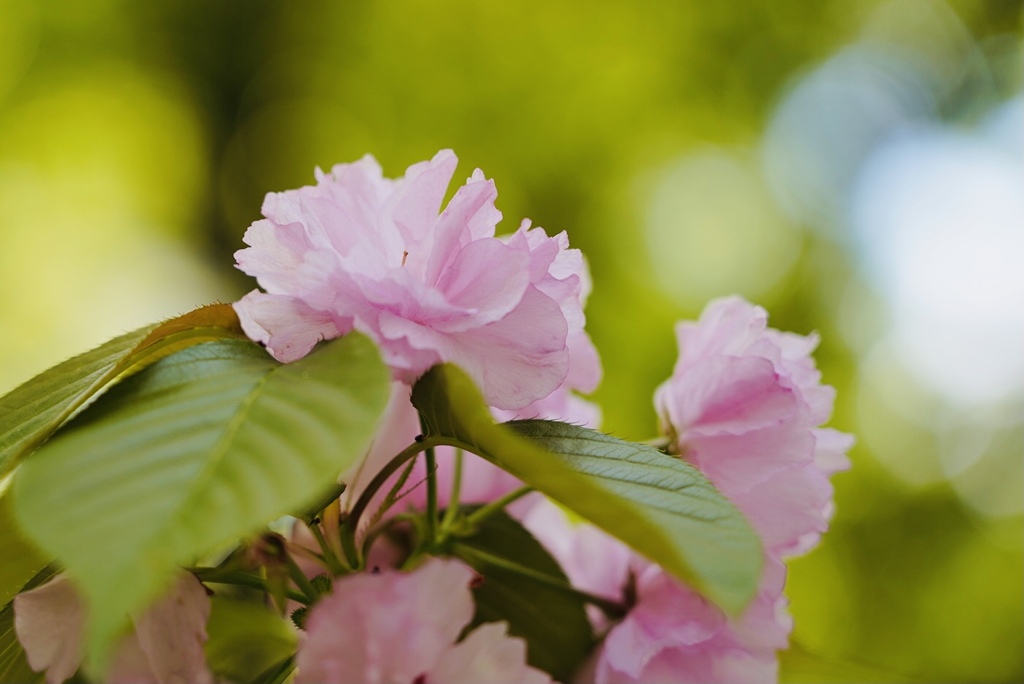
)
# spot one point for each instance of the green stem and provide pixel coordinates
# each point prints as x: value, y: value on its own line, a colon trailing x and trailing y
x: 431, y: 490
x: 300, y: 579
x: 487, y: 510
x: 452, y: 511
x: 611, y: 608
x: 241, y: 579
x: 330, y: 558
x: 351, y: 525
x: 374, y: 529
x: 431, y: 496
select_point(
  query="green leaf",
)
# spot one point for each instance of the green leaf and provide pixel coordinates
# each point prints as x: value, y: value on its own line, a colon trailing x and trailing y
x: 198, y: 449
x: 245, y: 639
x: 13, y: 665
x: 31, y: 412
x: 21, y: 559
x: 553, y: 623
x: 662, y: 507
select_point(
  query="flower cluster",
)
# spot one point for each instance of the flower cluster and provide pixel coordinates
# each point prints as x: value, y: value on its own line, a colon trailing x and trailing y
x: 386, y: 602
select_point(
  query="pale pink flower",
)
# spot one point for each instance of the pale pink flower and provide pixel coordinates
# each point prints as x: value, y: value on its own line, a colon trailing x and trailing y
x: 359, y: 251
x: 670, y: 633
x: 673, y: 635
x: 743, y: 405
x: 165, y: 646
x: 394, y: 627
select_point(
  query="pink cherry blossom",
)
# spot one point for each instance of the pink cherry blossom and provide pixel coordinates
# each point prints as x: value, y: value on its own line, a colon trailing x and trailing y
x: 670, y: 633
x: 165, y: 646
x: 744, y: 404
x: 674, y: 635
x: 359, y: 251
x: 392, y: 627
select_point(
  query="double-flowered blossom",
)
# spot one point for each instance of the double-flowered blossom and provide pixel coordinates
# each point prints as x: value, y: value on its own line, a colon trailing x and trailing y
x: 744, y: 405
x: 670, y: 633
x: 358, y: 251
x: 401, y: 628
x: 165, y: 646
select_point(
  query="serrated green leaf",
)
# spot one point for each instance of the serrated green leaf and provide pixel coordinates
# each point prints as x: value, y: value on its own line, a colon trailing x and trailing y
x: 31, y: 412
x: 21, y: 559
x: 198, y: 449
x: 662, y: 507
x: 245, y: 639
x: 554, y: 624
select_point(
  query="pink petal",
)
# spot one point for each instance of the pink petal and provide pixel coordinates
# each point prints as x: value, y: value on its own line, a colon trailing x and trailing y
x: 488, y: 655
x: 830, y: 450
x: 470, y: 215
x: 487, y: 277
x: 419, y: 201
x: 130, y: 663
x: 276, y: 252
x: 726, y: 395
x: 49, y: 621
x: 172, y: 632
x: 735, y: 464
x: 726, y: 327
x: 519, y: 358
x: 287, y: 327
x: 386, y: 627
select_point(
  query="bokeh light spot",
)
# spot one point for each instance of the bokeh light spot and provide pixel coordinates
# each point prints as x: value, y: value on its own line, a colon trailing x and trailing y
x: 713, y: 229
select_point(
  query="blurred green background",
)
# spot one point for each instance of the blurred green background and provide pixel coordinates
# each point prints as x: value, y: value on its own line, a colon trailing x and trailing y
x: 855, y: 166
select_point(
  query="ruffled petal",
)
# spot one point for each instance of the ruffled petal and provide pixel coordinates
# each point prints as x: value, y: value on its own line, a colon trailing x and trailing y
x: 172, y: 632
x: 286, y: 326
x: 385, y: 627
x: 487, y: 654
x: 50, y: 621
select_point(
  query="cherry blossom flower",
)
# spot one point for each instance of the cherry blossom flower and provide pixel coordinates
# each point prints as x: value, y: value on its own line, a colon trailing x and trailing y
x: 670, y: 633
x: 165, y: 646
x: 391, y: 627
x: 361, y: 252
x: 744, y: 404
x: 673, y: 635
